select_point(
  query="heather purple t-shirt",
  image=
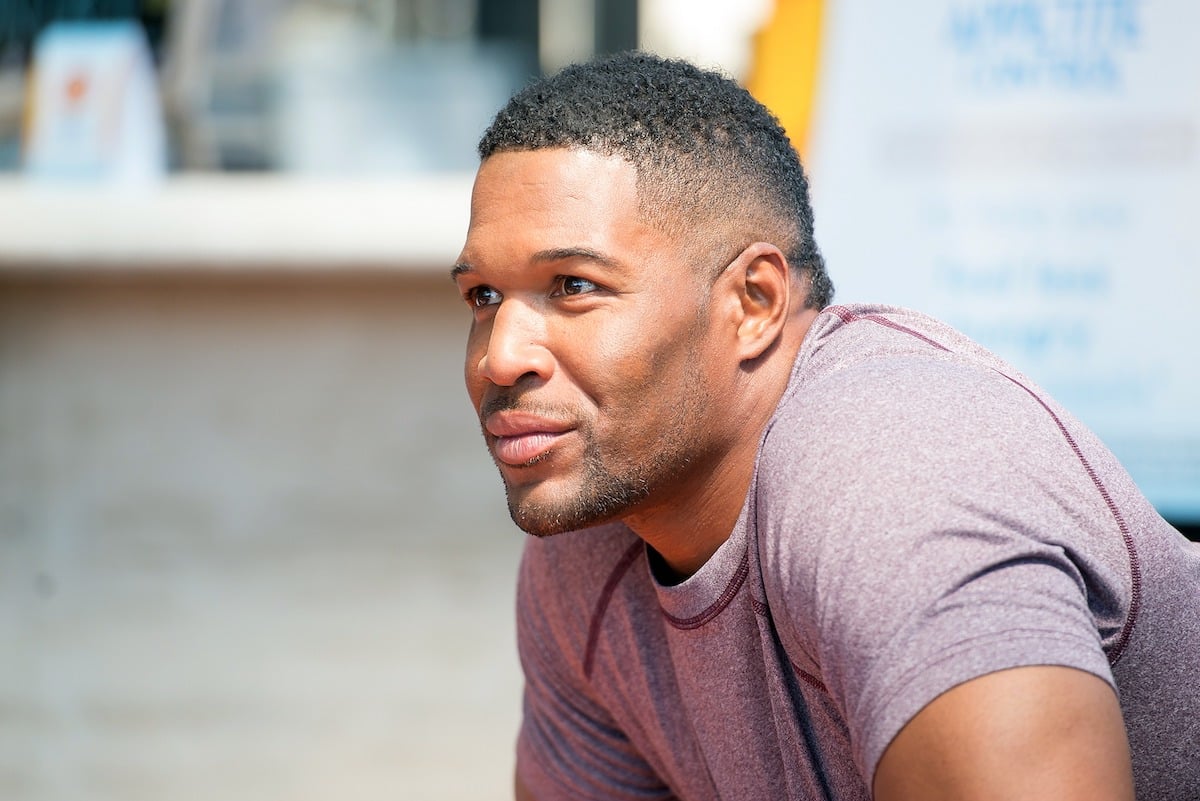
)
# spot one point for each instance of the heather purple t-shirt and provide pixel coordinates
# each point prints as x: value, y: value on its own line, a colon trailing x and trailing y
x: 921, y: 515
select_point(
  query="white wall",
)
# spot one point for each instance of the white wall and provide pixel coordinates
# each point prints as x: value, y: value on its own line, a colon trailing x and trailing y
x: 251, y: 545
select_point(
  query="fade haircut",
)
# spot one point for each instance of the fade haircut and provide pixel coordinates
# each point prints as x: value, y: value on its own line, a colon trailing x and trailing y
x: 713, y: 164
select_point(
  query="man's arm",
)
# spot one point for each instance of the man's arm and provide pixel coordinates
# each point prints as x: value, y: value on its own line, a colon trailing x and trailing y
x: 1027, y: 733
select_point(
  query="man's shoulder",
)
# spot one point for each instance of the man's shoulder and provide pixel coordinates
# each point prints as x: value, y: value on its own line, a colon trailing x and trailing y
x: 891, y: 414
x: 872, y: 342
x: 873, y: 378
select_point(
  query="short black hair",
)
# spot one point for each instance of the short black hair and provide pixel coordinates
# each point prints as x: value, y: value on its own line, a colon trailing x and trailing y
x: 703, y: 148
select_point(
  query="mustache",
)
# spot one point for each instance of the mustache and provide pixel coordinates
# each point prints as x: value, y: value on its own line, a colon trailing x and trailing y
x: 506, y: 399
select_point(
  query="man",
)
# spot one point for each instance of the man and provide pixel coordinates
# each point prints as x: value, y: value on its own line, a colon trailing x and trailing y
x: 785, y: 549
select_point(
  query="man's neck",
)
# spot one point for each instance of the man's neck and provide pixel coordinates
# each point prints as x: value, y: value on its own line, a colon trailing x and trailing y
x: 687, y: 527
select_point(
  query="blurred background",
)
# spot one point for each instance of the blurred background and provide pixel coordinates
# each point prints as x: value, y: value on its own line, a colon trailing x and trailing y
x: 251, y: 545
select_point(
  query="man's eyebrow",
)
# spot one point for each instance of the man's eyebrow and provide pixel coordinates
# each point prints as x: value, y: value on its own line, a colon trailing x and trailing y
x: 561, y: 254
x: 551, y: 254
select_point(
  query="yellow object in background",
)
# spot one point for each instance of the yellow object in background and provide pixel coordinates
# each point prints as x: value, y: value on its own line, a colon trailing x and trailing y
x: 785, y: 64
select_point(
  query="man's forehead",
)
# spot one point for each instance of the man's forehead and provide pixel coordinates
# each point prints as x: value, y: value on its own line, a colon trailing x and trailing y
x: 575, y: 198
x: 584, y: 202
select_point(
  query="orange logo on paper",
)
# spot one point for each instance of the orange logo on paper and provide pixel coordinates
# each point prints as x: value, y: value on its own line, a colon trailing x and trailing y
x: 76, y: 87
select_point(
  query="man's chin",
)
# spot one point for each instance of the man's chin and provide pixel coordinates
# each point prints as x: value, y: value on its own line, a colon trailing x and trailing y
x: 569, y: 503
x: 540, y: 530
x: 542, y: 520
x: 545, y: 522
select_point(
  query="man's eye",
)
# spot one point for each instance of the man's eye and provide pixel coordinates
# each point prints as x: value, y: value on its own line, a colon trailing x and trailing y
x: 574, y: 285
x: 480, y: 296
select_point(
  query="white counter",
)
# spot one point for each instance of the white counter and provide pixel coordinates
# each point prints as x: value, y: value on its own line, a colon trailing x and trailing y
x: 232, y: 222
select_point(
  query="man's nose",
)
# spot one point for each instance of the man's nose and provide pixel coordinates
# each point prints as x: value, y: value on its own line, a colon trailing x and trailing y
x: 516, y: 346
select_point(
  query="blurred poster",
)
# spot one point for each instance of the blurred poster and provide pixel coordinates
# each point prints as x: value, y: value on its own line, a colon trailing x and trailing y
x: 1029, y: 171
x: 95, y: 105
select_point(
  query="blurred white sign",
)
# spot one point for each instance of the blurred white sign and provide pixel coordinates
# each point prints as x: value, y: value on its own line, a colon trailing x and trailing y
x: 1029, y: 170
x: 96, y: 113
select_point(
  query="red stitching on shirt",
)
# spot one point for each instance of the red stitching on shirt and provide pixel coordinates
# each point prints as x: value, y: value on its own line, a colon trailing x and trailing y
x: 1135, y: 563
x: 849, y: 317
x: 708, y: 614
x: 610, y: 586
x: 808, y: 678
x: 762, y: 610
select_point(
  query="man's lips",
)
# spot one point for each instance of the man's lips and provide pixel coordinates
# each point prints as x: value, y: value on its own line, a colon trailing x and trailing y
x: 519, y: 438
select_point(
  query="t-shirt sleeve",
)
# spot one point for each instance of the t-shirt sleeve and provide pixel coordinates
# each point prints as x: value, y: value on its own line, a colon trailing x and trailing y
x: 933, y: 543
x: 569, y: 746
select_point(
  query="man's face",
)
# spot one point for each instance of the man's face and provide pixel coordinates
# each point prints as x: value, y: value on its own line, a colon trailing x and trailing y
x: 589, y: 359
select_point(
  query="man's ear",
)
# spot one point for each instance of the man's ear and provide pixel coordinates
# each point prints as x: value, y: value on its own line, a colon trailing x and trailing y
x: 762, y: 281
